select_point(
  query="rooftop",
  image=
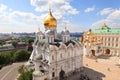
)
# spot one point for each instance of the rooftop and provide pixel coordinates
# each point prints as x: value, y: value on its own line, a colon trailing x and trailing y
x: 106, y: 30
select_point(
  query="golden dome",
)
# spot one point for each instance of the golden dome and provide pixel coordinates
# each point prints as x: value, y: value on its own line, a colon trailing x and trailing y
x: 89, y: 32
x: 50, y: 21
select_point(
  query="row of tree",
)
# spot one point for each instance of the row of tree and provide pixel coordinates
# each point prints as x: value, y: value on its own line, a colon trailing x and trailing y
x: 9, y: 57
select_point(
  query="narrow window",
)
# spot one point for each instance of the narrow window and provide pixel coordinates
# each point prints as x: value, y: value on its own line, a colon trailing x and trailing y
x: 60, y: 55
x: 52, y: 57
x: 53, y: 74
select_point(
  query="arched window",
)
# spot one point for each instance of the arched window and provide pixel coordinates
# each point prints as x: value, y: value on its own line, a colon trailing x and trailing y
x: 53, y: 74
x: 116, y: 39
x: 52, y: 57
x: 116, y: 45
x: 61, y: 55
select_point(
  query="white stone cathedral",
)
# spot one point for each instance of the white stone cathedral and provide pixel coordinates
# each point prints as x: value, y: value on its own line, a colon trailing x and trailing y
x: 54, y: 57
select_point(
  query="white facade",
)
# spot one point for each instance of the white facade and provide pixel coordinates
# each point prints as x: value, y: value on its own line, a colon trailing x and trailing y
x: 55, y: 58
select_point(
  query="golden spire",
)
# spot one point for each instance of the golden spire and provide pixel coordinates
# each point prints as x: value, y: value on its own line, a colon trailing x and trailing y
x: 50, y: 21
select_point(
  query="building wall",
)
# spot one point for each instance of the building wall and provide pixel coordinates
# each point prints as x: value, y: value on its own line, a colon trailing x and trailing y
x: 111, y: 42
x: 67, y: 59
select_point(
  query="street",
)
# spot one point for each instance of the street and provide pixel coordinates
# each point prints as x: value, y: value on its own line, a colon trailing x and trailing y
x: 10, y: 72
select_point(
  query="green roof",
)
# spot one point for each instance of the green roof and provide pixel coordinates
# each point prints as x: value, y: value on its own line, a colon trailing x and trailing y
x: 106, y: 31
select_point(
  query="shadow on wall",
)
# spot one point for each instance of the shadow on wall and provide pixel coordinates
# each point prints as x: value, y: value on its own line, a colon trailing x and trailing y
x: 92, y: 74
x: 104, y: 56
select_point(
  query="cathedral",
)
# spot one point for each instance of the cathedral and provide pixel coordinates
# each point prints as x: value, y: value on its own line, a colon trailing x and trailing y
x: 102, y: 41
x: 54, y: 57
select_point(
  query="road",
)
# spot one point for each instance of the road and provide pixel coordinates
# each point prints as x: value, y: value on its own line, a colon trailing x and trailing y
x: 10, y: 72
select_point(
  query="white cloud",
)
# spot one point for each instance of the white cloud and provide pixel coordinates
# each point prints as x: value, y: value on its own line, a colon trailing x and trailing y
x: 90, y: 9
x: 99, y: 23
x: 106, y: 11
x: 2, y: 7
x: 60, y: 7
x: 71, y: 27
x: 112, y: 20
x: 17, y: 21
x: 114, y: 15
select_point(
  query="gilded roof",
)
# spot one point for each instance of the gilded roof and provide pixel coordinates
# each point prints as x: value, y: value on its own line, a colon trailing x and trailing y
x: 50, y: 21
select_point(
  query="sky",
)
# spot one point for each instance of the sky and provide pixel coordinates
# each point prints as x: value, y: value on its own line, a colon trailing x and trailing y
x: 79, y: 15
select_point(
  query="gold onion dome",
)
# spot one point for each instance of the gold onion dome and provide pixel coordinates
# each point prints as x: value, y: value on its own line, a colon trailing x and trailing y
x: 50, y: 21
x: 89, y: 32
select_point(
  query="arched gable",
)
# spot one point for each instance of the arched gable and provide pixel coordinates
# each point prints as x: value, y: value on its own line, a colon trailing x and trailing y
x: 70, y: 46
x: 53, y: 47
x: 62, y: 46
x: 76, y: 45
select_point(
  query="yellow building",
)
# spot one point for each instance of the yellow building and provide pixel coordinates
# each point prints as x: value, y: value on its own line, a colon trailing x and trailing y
x: 110, y: 39
x: 105, y: 38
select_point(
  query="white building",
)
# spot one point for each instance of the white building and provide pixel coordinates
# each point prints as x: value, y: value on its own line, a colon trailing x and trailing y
x: 54, y: 58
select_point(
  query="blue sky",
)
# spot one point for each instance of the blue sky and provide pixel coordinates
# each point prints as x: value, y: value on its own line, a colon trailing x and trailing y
x: 80, y: 15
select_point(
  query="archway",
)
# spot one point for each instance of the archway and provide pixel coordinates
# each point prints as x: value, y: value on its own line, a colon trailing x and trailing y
x: 93, y: 52
x: 107, y: 51
x: 62, y: 75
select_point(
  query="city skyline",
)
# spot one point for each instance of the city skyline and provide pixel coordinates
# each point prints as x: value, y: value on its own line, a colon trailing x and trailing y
x: 28, y: 15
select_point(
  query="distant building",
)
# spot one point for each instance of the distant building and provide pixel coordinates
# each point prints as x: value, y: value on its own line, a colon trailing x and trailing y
x: 76, y: 36
x: 110, y: 39
x: 22, y: 35
x: 5, y: 36
x: 6, y: 47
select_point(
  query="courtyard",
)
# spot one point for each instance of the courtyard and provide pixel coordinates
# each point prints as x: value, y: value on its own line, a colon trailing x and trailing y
x: 103, y: 68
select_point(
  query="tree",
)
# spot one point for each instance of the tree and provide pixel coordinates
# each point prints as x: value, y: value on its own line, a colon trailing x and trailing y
x: 28, y: 39
x: 14, y: 43
x: 26, y: 76
x: 2, y: 42
x: 6, y: 57
x: 21, y: 55
x: 21, y: 69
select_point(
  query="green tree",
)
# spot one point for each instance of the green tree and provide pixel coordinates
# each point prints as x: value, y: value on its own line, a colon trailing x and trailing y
x: 21, y: 55
x: 9, y: 57
x: 6, y: 57
x: 26, y: 76
x: 28, y: 39
x: 14, y: 43
x: 21, y: 69
x: 2, y: 42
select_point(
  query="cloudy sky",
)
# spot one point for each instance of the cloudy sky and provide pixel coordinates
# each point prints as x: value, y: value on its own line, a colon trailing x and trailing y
x: 80, y: 15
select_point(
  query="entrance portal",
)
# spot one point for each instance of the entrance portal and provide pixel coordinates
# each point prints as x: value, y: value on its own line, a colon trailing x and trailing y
x: 107, y: 51
x: 62, y: 75
x: 93, y: 52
